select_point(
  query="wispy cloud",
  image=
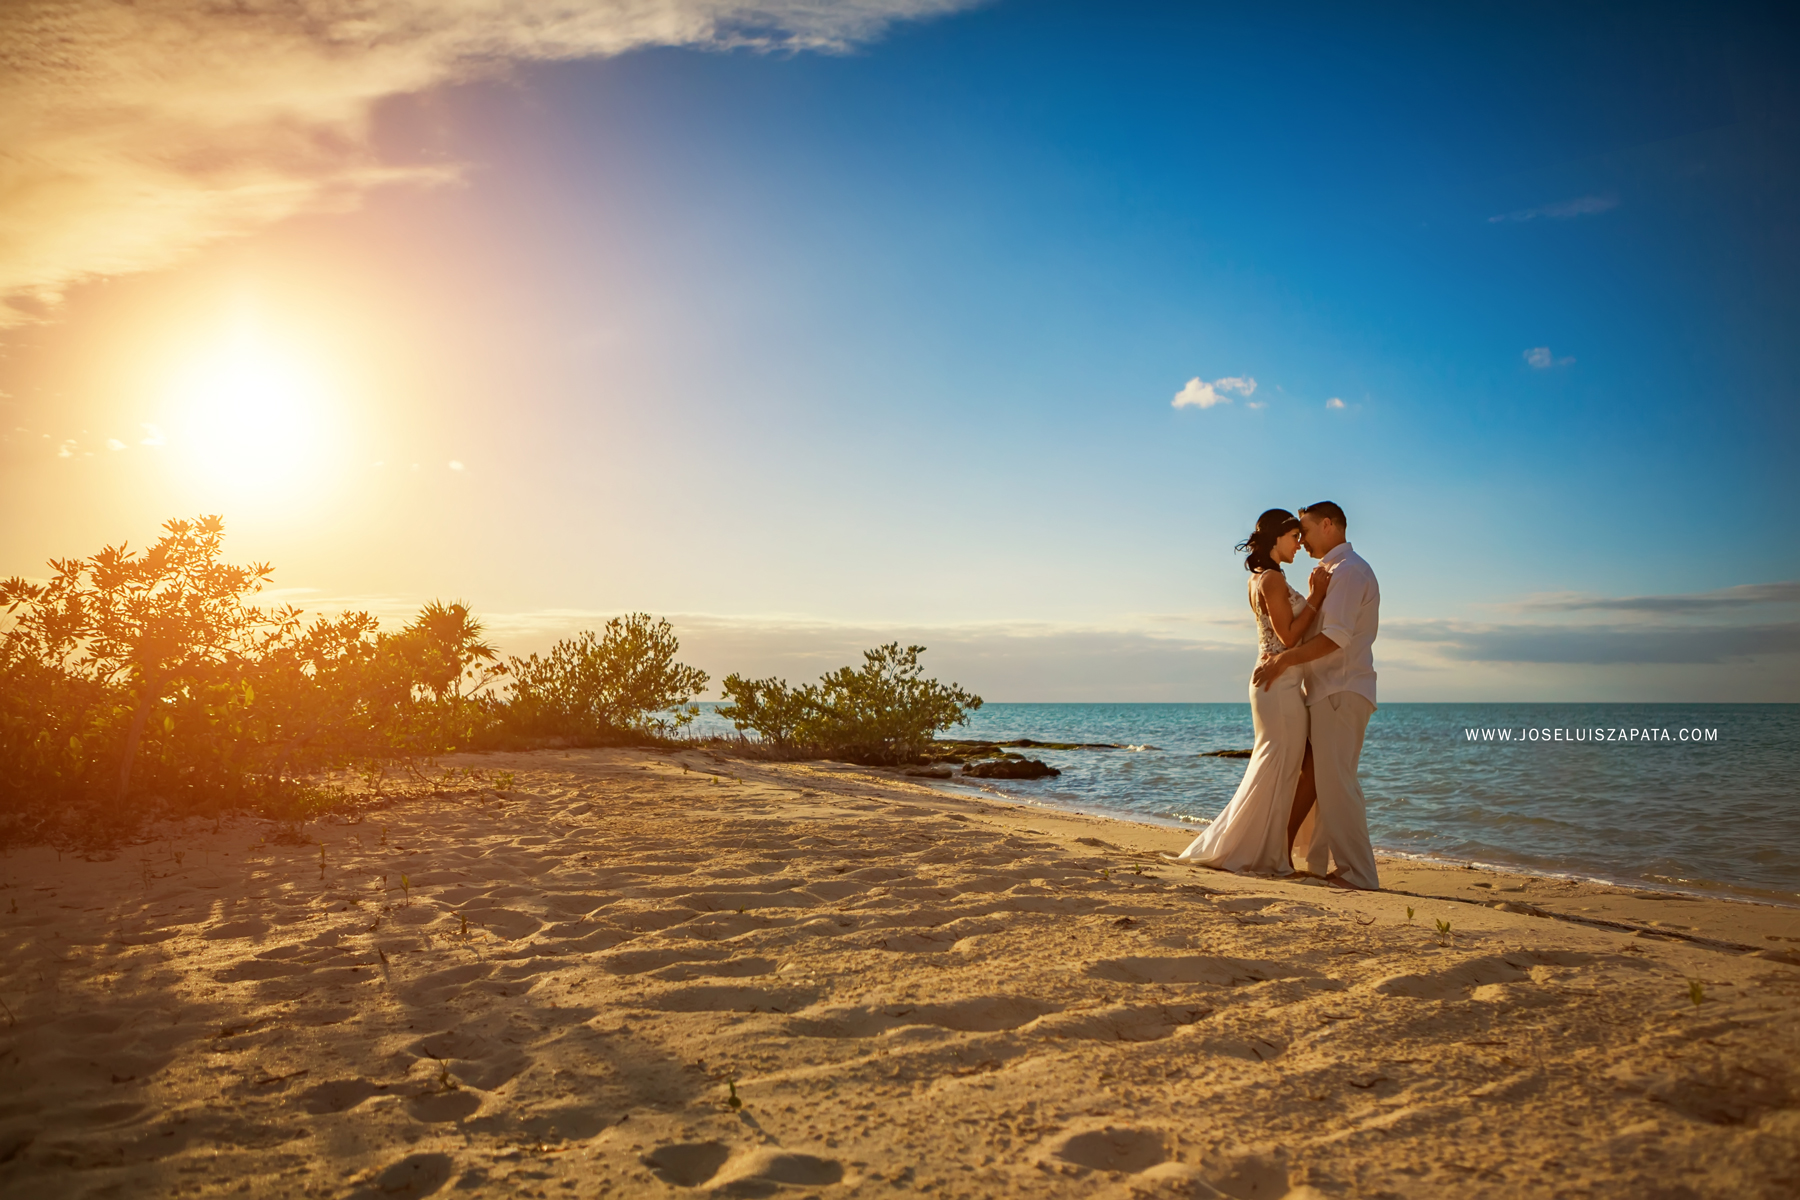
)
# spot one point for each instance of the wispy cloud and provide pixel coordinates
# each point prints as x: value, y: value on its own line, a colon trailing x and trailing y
x: 138, y: 133
x: 1562, y: 210
x: 1720, y: 600
x: 1664, y: 644
x: 1200, y: 394
x: 1334, y: 402
x: 1540, y: 358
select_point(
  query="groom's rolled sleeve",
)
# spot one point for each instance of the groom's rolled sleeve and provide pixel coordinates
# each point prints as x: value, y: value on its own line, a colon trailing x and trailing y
x: 1337, y: 616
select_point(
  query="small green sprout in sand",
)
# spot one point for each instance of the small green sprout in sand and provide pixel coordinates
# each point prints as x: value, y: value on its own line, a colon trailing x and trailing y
x: 443, y: 1080
x: 179, y: 855
x: 465, y: 925
x: 384, y: 835
x: 321, y: 860
x: 1409, y: 912
x: 732, y: 1100
x: 406, y: 889
x: 1105, y: 873
x: 1443, y: 929
x: 1697, y: 991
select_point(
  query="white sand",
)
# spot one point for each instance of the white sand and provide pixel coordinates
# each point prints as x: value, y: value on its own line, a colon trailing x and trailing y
x: 913, y: 993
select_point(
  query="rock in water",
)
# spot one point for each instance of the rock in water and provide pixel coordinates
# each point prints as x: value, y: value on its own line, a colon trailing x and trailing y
x: 1011, y: 768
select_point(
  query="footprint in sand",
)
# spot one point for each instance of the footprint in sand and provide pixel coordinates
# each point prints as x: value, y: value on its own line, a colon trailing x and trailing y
x: 471, y: 1058
x: 414, y: 1175
x: 687, y: 1164
x: 756, y: 1172
x: 1124, y: 1148
x: 1455, y: 982
x: 1477, y: 975
x: 340, y: 1095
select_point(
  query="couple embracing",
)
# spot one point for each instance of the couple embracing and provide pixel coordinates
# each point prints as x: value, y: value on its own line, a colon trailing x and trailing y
x: 1300, y: 806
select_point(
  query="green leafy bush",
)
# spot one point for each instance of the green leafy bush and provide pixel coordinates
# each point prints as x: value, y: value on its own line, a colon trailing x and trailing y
x: 883, y: 712
x: 593, y: 687
x: 130, y: 675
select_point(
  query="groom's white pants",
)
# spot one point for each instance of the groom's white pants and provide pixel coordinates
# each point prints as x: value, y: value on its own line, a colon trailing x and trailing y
x: 1337, y: 831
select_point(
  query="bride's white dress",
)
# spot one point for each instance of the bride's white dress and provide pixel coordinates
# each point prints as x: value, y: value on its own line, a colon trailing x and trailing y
x: 1251, y: 834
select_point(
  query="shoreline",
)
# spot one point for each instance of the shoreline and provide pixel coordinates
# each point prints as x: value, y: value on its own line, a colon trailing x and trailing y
x: 1569, y: 897
x: 566, y: 986
x: 1733, y: 893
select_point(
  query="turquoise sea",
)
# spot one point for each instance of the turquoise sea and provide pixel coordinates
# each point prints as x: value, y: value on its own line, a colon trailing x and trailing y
x: 1587, y: 790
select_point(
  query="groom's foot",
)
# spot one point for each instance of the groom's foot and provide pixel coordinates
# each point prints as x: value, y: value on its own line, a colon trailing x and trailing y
x: 1338, y: 881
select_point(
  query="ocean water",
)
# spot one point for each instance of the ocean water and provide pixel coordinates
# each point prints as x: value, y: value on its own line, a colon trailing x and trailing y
x: 1717, y: 814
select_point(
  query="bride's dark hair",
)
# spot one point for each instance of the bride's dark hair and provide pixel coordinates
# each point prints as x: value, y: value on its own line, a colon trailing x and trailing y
x: 1269, y: 528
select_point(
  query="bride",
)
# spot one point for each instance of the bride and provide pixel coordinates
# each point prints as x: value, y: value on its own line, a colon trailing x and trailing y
x: 1256, y: 831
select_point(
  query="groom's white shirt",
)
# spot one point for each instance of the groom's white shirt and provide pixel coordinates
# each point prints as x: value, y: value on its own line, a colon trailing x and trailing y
x: 1350, y: 617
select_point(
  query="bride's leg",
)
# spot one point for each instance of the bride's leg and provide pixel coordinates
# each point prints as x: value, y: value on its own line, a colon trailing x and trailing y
x: 1305, y: 795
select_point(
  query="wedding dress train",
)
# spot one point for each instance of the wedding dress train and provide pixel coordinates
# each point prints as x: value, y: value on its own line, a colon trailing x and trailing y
x: 1251, y: 834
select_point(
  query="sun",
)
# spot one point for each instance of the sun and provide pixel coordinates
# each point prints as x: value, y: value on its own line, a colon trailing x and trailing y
x: 253, y: 413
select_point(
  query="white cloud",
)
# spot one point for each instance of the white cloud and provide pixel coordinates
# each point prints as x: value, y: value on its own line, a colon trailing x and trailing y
x: 1562, y: 210
x: 155, y: 436
x: 67, y: 449
x: 1334, y: 402
x: 138, y: 133
x: 1541, y: 359
x: 455, y: 465
x: 114, y: 444
x: 1200, y: 394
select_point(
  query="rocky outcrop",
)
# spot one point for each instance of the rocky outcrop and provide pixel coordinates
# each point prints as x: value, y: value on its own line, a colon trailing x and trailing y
x: 1011, y: 768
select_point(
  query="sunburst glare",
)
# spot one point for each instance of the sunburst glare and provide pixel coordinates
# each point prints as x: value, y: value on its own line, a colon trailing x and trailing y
x: 253, y: 414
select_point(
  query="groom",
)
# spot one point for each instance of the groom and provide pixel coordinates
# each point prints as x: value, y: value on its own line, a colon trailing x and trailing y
x: 1339, y: 683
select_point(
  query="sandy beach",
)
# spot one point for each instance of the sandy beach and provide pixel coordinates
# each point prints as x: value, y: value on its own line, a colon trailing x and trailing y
x: 559, y: 989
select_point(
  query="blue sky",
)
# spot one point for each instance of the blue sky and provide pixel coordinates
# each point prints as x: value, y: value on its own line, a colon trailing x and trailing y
x: 808, y: 349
